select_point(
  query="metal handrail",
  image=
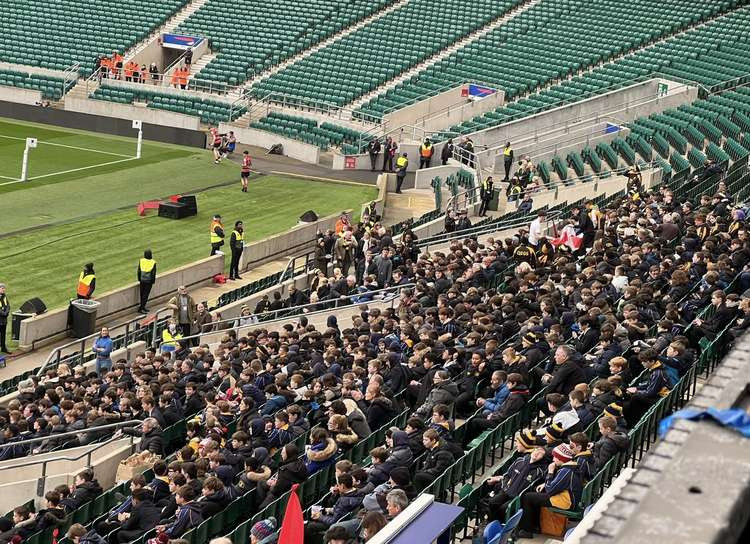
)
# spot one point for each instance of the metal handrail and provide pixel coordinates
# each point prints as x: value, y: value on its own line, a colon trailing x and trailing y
x: 263, y: 319
x: 71, y: 74
x: 421, y: 97
x: 481, y: 229
x: 590, y: 94
x: 55, y: 356
x: 163, y: 80
x: 291, y: 266
x: 597, y: 116
x: 71, y: 434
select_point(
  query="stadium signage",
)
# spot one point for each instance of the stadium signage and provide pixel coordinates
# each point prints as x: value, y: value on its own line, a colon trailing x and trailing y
x: 477, y: 92
x: 179, y: 41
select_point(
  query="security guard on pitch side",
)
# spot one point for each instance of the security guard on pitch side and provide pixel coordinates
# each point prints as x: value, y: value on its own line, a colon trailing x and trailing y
x: 217, y: 234
x: 236, y: 244
x: 86, y: 282
x: 146, y: 278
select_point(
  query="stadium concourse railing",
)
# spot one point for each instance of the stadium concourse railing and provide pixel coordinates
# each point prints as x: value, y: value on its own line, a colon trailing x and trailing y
x: 311, y: 310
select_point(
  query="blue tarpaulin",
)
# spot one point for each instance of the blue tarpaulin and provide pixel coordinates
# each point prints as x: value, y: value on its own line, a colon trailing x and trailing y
x: 735, y: 419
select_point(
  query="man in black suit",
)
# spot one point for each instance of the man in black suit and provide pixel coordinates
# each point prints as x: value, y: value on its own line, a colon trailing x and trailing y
x: 4, y: 313
x: 587, y: 336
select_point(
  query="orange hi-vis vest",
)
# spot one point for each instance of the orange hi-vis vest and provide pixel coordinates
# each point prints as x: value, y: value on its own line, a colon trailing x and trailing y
x: 426, y: 151
x: 84, y: 284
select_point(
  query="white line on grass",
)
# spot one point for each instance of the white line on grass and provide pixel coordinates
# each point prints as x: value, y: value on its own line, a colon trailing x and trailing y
x: 70, y: 146
x: 65, y: 171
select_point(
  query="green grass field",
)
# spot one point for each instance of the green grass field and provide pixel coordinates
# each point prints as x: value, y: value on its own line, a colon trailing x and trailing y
x: 45, y: 262
x: 74, y: 174
x: 76, y: 208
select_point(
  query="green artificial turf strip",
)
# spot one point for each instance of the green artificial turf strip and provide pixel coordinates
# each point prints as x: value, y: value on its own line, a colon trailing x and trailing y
x: 45, y: 262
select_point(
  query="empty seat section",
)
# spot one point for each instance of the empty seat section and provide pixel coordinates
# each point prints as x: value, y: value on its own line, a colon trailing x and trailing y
x: 549, y: 41
x: 250, y: 36
x: 58, y: 34
x: 381, y: 50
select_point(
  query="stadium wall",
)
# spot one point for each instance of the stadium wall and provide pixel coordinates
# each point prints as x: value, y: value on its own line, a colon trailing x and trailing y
x: 22, y: 96
x: 53, y: 324
x: 292, y: 148
x: 294, y: 242
x: 20, y: 484
x: 441, y: 111
x: 362, y: 160
x: 623, y: 105
x: 102, y: 123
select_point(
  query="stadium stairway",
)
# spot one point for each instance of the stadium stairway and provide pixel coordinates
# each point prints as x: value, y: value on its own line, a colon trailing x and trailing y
x: 325, y: 43
x: 523, y: 42
x: 724, y: 30
x: 170, y: 25
x: 381, y: 51
x: 465, y: 41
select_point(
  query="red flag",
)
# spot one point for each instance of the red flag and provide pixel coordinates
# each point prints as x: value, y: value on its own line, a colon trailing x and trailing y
x: 569, y: 238
x: 293, y: 524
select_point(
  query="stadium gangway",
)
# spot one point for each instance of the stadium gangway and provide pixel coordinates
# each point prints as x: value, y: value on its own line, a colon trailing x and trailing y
x: 299, y: 264
x: 71, y: 434
x: 87, y: 455
x: 134, y: 329
x: 314, y: 309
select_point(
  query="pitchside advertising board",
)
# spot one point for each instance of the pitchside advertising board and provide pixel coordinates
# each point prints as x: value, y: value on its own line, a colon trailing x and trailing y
x: 179, y: 41
x: 476, y: 92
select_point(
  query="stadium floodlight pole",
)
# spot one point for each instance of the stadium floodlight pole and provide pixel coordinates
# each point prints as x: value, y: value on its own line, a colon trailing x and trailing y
x: 30, y: 144
x: 138, y: 124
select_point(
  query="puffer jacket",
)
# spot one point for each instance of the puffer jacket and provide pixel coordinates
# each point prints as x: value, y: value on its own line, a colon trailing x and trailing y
x: 443, y: 393
x: 346, y: 439
x: 400, y: 456
x: 86, y: 492
x: 381, y: 411
x: 320, y: 456
x: 437, y: 460
x: 608, y: 446
x: 344, y: 505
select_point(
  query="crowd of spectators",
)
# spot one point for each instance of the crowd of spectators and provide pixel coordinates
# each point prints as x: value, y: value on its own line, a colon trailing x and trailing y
x: 584, y: 323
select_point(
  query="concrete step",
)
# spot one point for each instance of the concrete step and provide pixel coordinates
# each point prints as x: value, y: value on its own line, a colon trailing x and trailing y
x: 169, y: 25
x: 200, y: 64
x: 437, y: 57
x: 336, y: 37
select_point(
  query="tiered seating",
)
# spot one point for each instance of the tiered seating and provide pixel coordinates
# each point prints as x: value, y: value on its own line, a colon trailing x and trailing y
x: 712, y: 43
x: 251, y: 36
x: 548, y: 42
x: 678, y: 139
x: 307, y: 130
x: 52, y: 87
x: 210, y: 111
x: 363, y: 60
x: 58, y: 34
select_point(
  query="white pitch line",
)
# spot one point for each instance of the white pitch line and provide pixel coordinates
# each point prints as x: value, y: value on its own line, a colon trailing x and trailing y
x: 68, y: 146
x: 82, y: 168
